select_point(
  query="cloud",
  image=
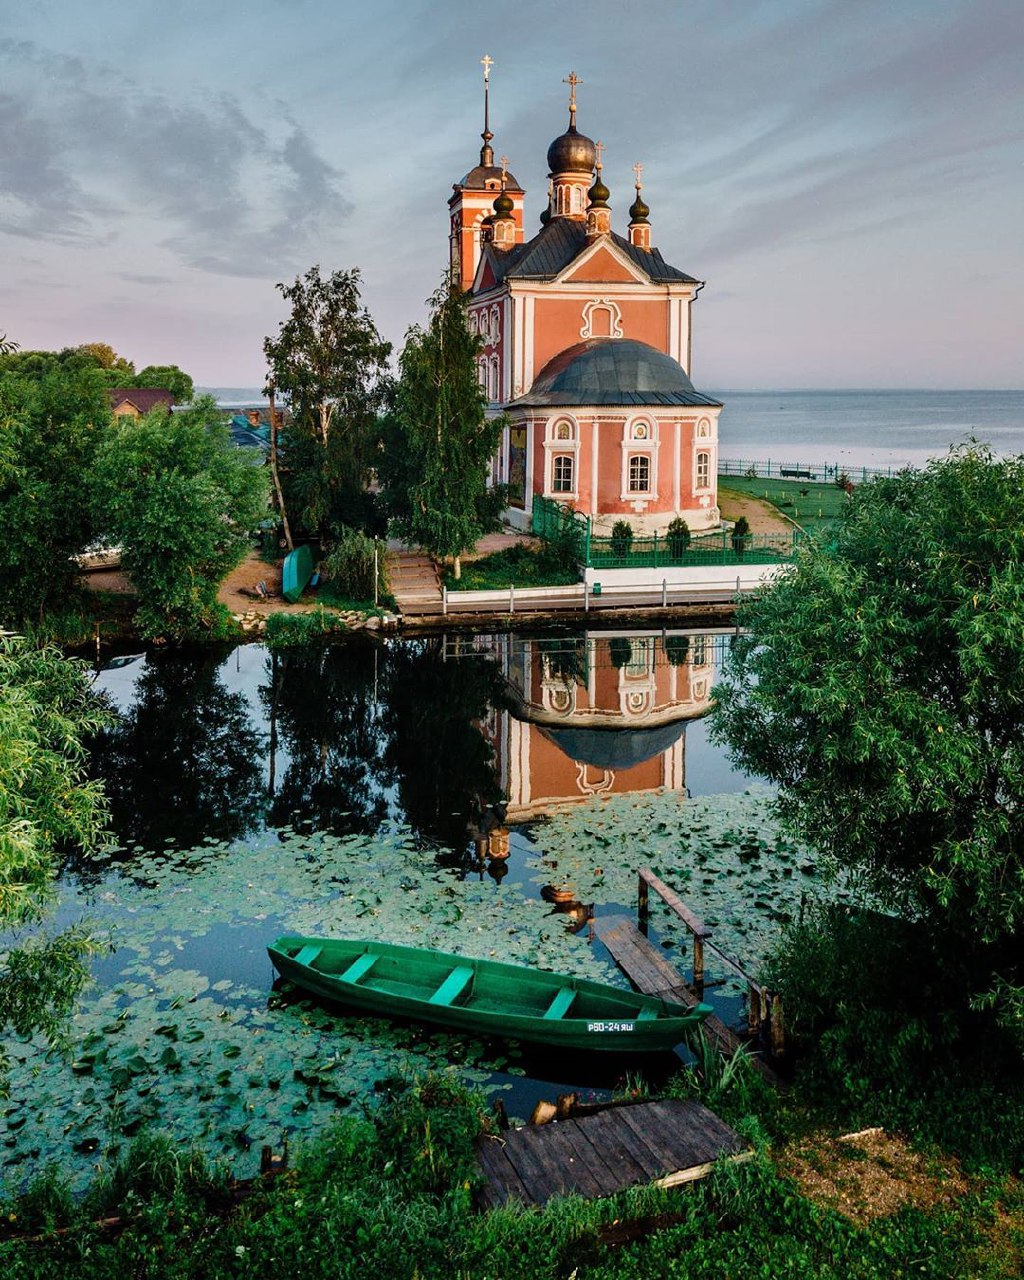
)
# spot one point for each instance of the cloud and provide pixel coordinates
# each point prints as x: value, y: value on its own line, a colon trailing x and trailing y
x: 90, y: 152
x: 134, y: 277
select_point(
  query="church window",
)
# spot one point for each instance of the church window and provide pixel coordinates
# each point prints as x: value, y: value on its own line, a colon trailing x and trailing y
x: 562, y: 474
x: 481, y: 372
x: 703, y: 470
x: 576, y: 200
x: 472, y: 322
x: 639, y: 473
x: 563, y: 431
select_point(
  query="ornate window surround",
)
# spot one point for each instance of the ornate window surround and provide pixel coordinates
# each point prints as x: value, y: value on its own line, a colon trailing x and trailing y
x: 640, y: 436
x: 614, y: 317
x: 554, y: 446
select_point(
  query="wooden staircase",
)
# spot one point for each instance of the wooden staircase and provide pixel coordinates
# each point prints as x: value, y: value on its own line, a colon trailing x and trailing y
x: 415, y: 583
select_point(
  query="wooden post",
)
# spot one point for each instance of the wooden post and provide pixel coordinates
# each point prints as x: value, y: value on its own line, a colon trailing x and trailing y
x: 778, y: 1035
x: 698, y: 964
x: 642, y: 904
x: 753, y: 1010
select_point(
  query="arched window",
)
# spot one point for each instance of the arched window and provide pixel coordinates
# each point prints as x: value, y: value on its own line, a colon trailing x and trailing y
x: 639, y: 473
x: 563, y: 473
x: 481, y: 373
x: 703, y: 470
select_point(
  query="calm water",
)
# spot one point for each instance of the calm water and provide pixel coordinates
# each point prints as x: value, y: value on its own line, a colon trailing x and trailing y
x: 867, y: 428
x: 428, y: 791
x: 861, y: 428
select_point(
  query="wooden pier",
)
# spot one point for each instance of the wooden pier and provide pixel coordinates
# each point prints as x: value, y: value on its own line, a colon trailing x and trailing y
x: 669, y: 1143
x: 650, y: 972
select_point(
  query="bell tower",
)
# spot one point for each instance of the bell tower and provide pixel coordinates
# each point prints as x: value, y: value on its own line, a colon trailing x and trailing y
x: 473, y: 200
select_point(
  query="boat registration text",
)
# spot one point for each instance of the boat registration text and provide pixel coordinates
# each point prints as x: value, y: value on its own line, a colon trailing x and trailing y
x: 610, y: 1026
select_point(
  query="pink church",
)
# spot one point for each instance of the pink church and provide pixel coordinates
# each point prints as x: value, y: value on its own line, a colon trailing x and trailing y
x: 587, y: 345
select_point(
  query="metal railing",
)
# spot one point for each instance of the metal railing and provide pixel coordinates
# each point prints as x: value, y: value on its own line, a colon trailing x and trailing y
x: 817, y: 472
x: 661, y: 551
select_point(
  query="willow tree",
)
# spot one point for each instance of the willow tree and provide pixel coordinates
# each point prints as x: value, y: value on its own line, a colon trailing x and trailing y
x: 331, y: 364
x: 439, y: 443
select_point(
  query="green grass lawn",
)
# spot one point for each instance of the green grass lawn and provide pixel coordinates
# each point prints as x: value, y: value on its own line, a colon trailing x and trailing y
x: 517, y: 566
x: 812, y: 505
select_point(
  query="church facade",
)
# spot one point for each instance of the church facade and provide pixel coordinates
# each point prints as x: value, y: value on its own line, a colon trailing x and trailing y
x: 586, y: 345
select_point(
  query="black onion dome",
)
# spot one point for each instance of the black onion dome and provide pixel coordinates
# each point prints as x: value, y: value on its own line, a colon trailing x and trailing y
x: 598, y: 194
x: 545, y: 215
x: 638, y: 211
x: 573, y: 152
x: 613, y: 371
x: 503, y: 206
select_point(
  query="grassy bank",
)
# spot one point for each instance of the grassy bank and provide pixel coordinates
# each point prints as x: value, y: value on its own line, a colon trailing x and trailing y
x: 390, y: 1194
x: 810, y: 505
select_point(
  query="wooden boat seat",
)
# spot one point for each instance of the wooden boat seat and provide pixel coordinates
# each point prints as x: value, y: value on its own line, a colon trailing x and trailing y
x: 559, y: 1006
x: 453, y: 986
x: 359, y: 967
x: 308, y: 954
x: 645, y: 1015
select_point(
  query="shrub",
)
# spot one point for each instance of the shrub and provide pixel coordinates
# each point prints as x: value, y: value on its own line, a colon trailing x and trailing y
x: 677, y: 536
x: 677, y: 649
x: 622, y: 538
x: 741, y: 535
x: 349, y: 566
x: 620, y: 651
x: 290, y: 630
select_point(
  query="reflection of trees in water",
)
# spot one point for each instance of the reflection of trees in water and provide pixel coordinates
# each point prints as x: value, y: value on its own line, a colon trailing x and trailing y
x: 323, y: 711
x: 444, y: 764
x: 185, y: 760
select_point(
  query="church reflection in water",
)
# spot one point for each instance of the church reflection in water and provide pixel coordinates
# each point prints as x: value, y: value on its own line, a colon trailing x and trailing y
x: 596, y: 714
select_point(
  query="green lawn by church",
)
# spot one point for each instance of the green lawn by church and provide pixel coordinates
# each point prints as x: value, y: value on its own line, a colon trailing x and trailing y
x: 811, y: 504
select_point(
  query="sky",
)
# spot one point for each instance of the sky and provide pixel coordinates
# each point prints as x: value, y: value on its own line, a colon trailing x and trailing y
x: 846, y: 175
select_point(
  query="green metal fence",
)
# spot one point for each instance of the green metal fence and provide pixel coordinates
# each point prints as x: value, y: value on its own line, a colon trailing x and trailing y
x: 656, y: 551
x: 818, y: 472
x: 554, y: 521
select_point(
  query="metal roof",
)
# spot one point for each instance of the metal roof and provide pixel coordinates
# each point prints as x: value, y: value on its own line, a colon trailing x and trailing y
x: 562, y: 240
x: 607, y: 371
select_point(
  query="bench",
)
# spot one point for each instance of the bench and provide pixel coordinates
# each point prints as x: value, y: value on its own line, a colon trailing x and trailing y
x: 308, y: 954
x: 790, y: 474
x: 559, y: 1006
x: 453, y: 986
x: 359, y: 967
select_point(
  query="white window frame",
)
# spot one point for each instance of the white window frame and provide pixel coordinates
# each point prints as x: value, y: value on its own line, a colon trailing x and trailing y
x: 631, y: 448
x: 554, y: 447
x: 706, y: 456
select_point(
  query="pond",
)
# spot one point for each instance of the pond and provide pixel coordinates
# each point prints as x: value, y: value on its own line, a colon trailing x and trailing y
x: 436, y: 792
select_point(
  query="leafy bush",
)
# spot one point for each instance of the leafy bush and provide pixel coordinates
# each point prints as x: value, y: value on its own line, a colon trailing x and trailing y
x: 741, y: 535
x: 290, y: 630
x: 519, y: 565
x: 677, y: 535
x: 349, y: 566
x: 622, y: 538
x: 677, y: 649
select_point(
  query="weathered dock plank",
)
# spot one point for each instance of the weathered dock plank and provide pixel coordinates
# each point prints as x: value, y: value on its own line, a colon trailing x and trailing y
x: 594, y: 1156
x: 646, y: 967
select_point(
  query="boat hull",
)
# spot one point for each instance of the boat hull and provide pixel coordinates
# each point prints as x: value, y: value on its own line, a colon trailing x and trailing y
x: 484, y: 997
x: 296, y: 572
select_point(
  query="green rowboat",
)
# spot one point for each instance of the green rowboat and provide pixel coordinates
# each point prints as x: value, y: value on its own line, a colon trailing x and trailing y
x: 296, y: 572
x: 483, y: 996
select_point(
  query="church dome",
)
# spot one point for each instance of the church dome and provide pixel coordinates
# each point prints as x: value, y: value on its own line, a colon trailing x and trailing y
x: 613, y: 371
x: 573, y: 152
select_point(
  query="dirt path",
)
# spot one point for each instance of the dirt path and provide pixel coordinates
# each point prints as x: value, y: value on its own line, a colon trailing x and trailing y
x: 761, y: 516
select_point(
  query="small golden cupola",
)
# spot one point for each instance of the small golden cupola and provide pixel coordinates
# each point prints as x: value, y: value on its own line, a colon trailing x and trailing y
x: 571, y: 160
x: 639, y: 227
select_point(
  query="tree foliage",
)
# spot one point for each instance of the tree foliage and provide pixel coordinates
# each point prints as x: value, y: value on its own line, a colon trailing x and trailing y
x: 439, y: 443
x: 52, y: 415
x: 881, y: 684
x: 331, y: 363
x: 181, y: 501
x: 166, y: 377
x: 47, y: 806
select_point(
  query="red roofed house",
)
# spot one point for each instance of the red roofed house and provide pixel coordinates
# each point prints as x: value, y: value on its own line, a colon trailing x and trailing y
x: 136, y: 402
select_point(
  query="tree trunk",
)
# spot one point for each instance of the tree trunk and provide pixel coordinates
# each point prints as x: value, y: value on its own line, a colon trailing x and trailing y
x: 274, y: 472
x: 457, y: 566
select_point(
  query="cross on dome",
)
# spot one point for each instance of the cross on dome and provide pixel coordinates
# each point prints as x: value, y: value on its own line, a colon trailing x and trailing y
x: 572, y: 80
x: 487, y: 62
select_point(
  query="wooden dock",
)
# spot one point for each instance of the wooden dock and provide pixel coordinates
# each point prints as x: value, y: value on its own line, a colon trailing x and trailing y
x: 668, y: 1142
x: 646, y: 967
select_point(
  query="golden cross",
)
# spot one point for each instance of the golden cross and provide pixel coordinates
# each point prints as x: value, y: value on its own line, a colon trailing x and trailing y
x: 487, y: 62
x: 599, y: 148
x: 638, y: 170
x: 572, y: 80
x: 504, y: 169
